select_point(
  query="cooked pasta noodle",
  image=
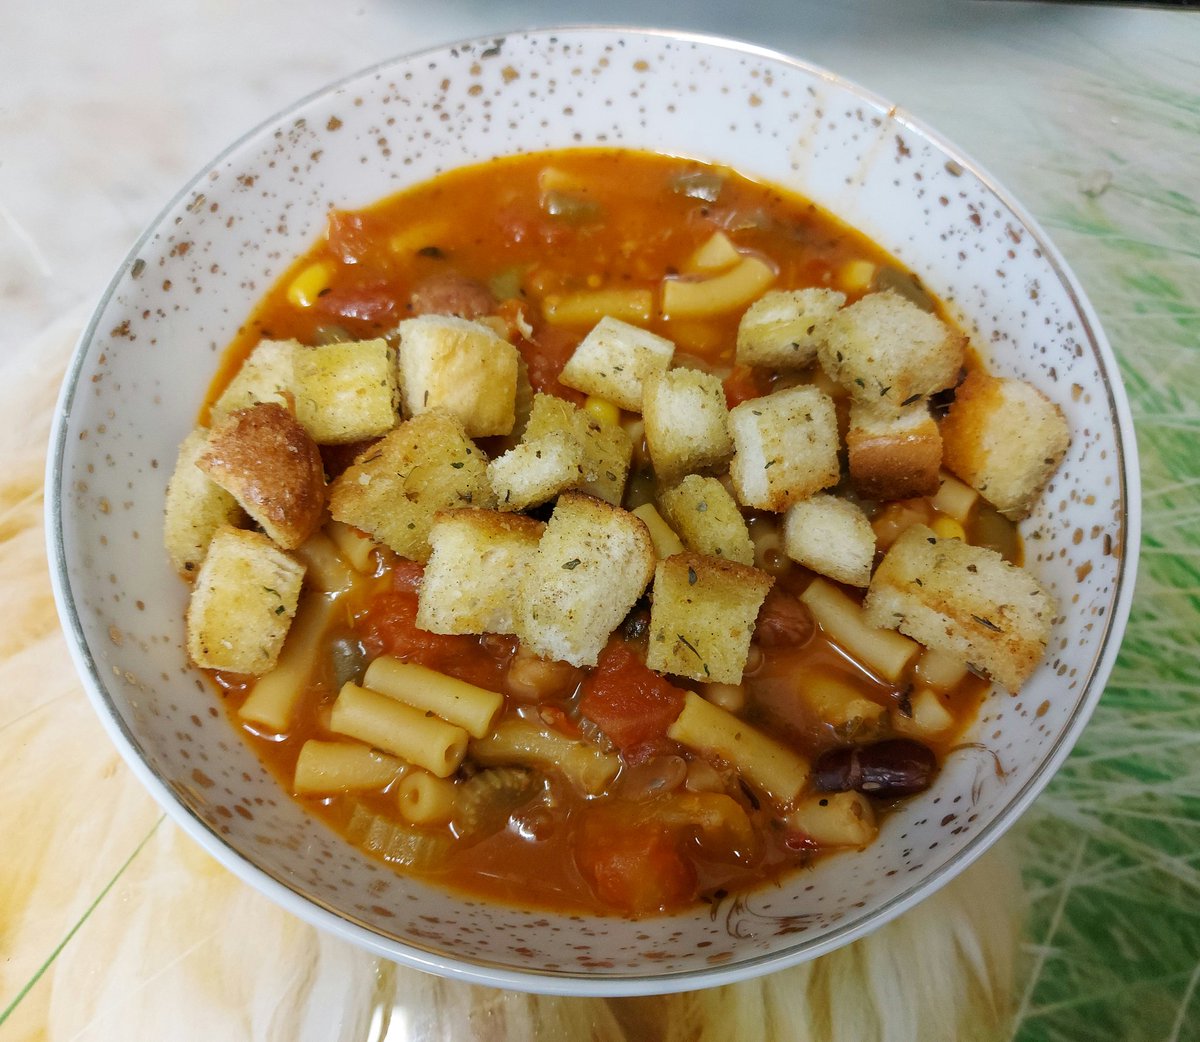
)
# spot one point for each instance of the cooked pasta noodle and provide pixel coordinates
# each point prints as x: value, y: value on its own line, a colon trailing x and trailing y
x: 472, y: 708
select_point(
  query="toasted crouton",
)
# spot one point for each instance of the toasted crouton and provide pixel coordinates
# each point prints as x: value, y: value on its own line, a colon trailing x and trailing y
x: 786, y: 447
x: 536, y: 471
x: 346, y: 392
x: 474, y: 573
x: 965, y: 600
x: 195, y: 507
x: 702, y: 616
x: 830, y: 536
x: 607, y: 448
x: 687, y: 422
x: 707, y: 519
x: 893, y: 453
x: 269, y: 464
x: 783, y: 328
x: 593, y: 563
x: 885, y: 349
x: 1004, y: 438
x: 243, y: 603
x: 460, y: 367
x: 614, y: 359
x: 267, y: 375
x: 396, y: 485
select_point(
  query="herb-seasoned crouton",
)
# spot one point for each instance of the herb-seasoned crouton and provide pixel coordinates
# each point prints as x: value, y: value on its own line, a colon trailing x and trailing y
x: 537, y: 470
x: 614, y: 359
x: 786, y: 447
x: 459, y: 367
x: 783, y: 328
x: 830, y: 536
x: 474, y: 573
x: 965, y: 600
x: 893, y: 454
x: 1004, y: 438
x: 195, y: 507
x: 396, y: 486
x: 687, y: 422
x: 267, y: 461
x: 267, y: 375
x: 593, y: 563
x: 885, y: 349
x: 607, y: 448
x: 242, y: 603
x: 702, y: 617
x: 707, y: 519
x: 346, y: 392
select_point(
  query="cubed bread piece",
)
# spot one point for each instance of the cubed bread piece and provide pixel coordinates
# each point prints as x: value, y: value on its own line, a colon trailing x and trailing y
x: 706, y: 517
x: 593, y: 563
x: 965, y: 600
x: 458, y: 367
x: 267, y: 375
x: 536, y: 471
x: 607, y: 448
x: 830, y: 536
x: 687, y: 422
x: 346, y: 392
x: 473, y: 575
x: 243, y: 603
x: 396, y: 485
x: 885, y: 349
x: 195, y: 507
x: 614, y: 359
x: 893, y: 453
x: 786, y: 447
x: 784, y: 328
x: 702, y: 616
x: 267, y: 461
x: 1004, y: 438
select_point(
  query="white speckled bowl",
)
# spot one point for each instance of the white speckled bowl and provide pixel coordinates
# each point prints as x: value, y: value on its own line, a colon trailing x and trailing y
x: 150, y: 350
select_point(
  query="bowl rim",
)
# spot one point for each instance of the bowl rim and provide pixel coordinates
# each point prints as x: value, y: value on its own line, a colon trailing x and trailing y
x: 483, y: 971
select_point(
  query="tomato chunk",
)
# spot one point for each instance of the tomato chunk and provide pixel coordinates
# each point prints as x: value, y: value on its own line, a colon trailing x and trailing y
x: 631, y: 704
x: 635, y: 868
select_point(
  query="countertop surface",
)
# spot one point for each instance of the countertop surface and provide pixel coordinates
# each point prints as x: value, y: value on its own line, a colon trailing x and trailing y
x: 1090, y: 115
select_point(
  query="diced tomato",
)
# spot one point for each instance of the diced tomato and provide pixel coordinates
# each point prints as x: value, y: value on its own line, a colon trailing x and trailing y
x: 407, y: 575
x: 631, y: 704
x: 545, y: 357
x: 741, y: 385
x: 637, y: 868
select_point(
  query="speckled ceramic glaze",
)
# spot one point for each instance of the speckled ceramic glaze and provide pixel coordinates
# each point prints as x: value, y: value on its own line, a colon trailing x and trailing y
x: 150, y: 351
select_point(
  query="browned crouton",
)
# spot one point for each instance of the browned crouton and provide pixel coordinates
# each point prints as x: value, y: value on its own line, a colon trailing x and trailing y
x: 195, y: 507
x: 687, y: 422
x: 267, y: 375
x: 783, y: 328
x: 535, y: 471
x: 706, y: 517
x: 346, y: 392
x: 832, y: 537
x: 607, y: 448
x: 614, y: 359
x: 893, y: 454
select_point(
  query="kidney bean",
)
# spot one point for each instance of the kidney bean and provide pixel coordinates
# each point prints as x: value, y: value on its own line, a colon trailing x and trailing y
x: 783, y: 621
x: 893, y: 768
x: 450, y: 293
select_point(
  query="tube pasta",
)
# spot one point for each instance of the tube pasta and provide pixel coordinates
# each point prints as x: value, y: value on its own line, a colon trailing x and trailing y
x: 836, y: 702
x: 732, y: 289
x: 421, y: 738
x: 587, y: 307
x: 353, y: 546
x: 472, y: 708
x: 885, y: 651
x: 326, y: 568
x: 714, y: 254
x: 426, y: 800
x: 778, y: 772
x: 835, y: 819
x: 274, y: 698
x: 519, y: 741
x: 329, y: 767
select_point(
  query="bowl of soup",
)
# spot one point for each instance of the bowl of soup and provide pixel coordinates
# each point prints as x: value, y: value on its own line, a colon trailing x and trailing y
x: 594, y: 511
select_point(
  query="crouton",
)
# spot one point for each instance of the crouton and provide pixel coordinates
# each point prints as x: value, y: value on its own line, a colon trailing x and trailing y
x: 965, y: 600
x: 785, y: 447
x: 396, y: 485
x: 346, y: 392
x: 830, y: 536
x: 707, y: 519
x: 537, y: 470
x: 885, y: 349
x: 1004, y: 438
x: 893, y: 453
x: 269, y: 464
x: 267, y: 375
x: 702, y: 616
x: 473, y: 575
x: 461, y: 368
x: 195, y: 507
x: 783, y: 328
x: 593, y: 563
x: 243, y: 603
x: 687, y: 422
x: 614, y: 359
x: 607, y: 448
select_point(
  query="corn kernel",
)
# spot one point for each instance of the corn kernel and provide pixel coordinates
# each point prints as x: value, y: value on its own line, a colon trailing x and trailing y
x: 309, y: 284
x: 602, y: 410
x: 947, y: 528
x: 856, y: 276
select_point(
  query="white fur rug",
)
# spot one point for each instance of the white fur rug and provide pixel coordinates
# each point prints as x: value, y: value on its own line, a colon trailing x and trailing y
x: 115, y: 925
